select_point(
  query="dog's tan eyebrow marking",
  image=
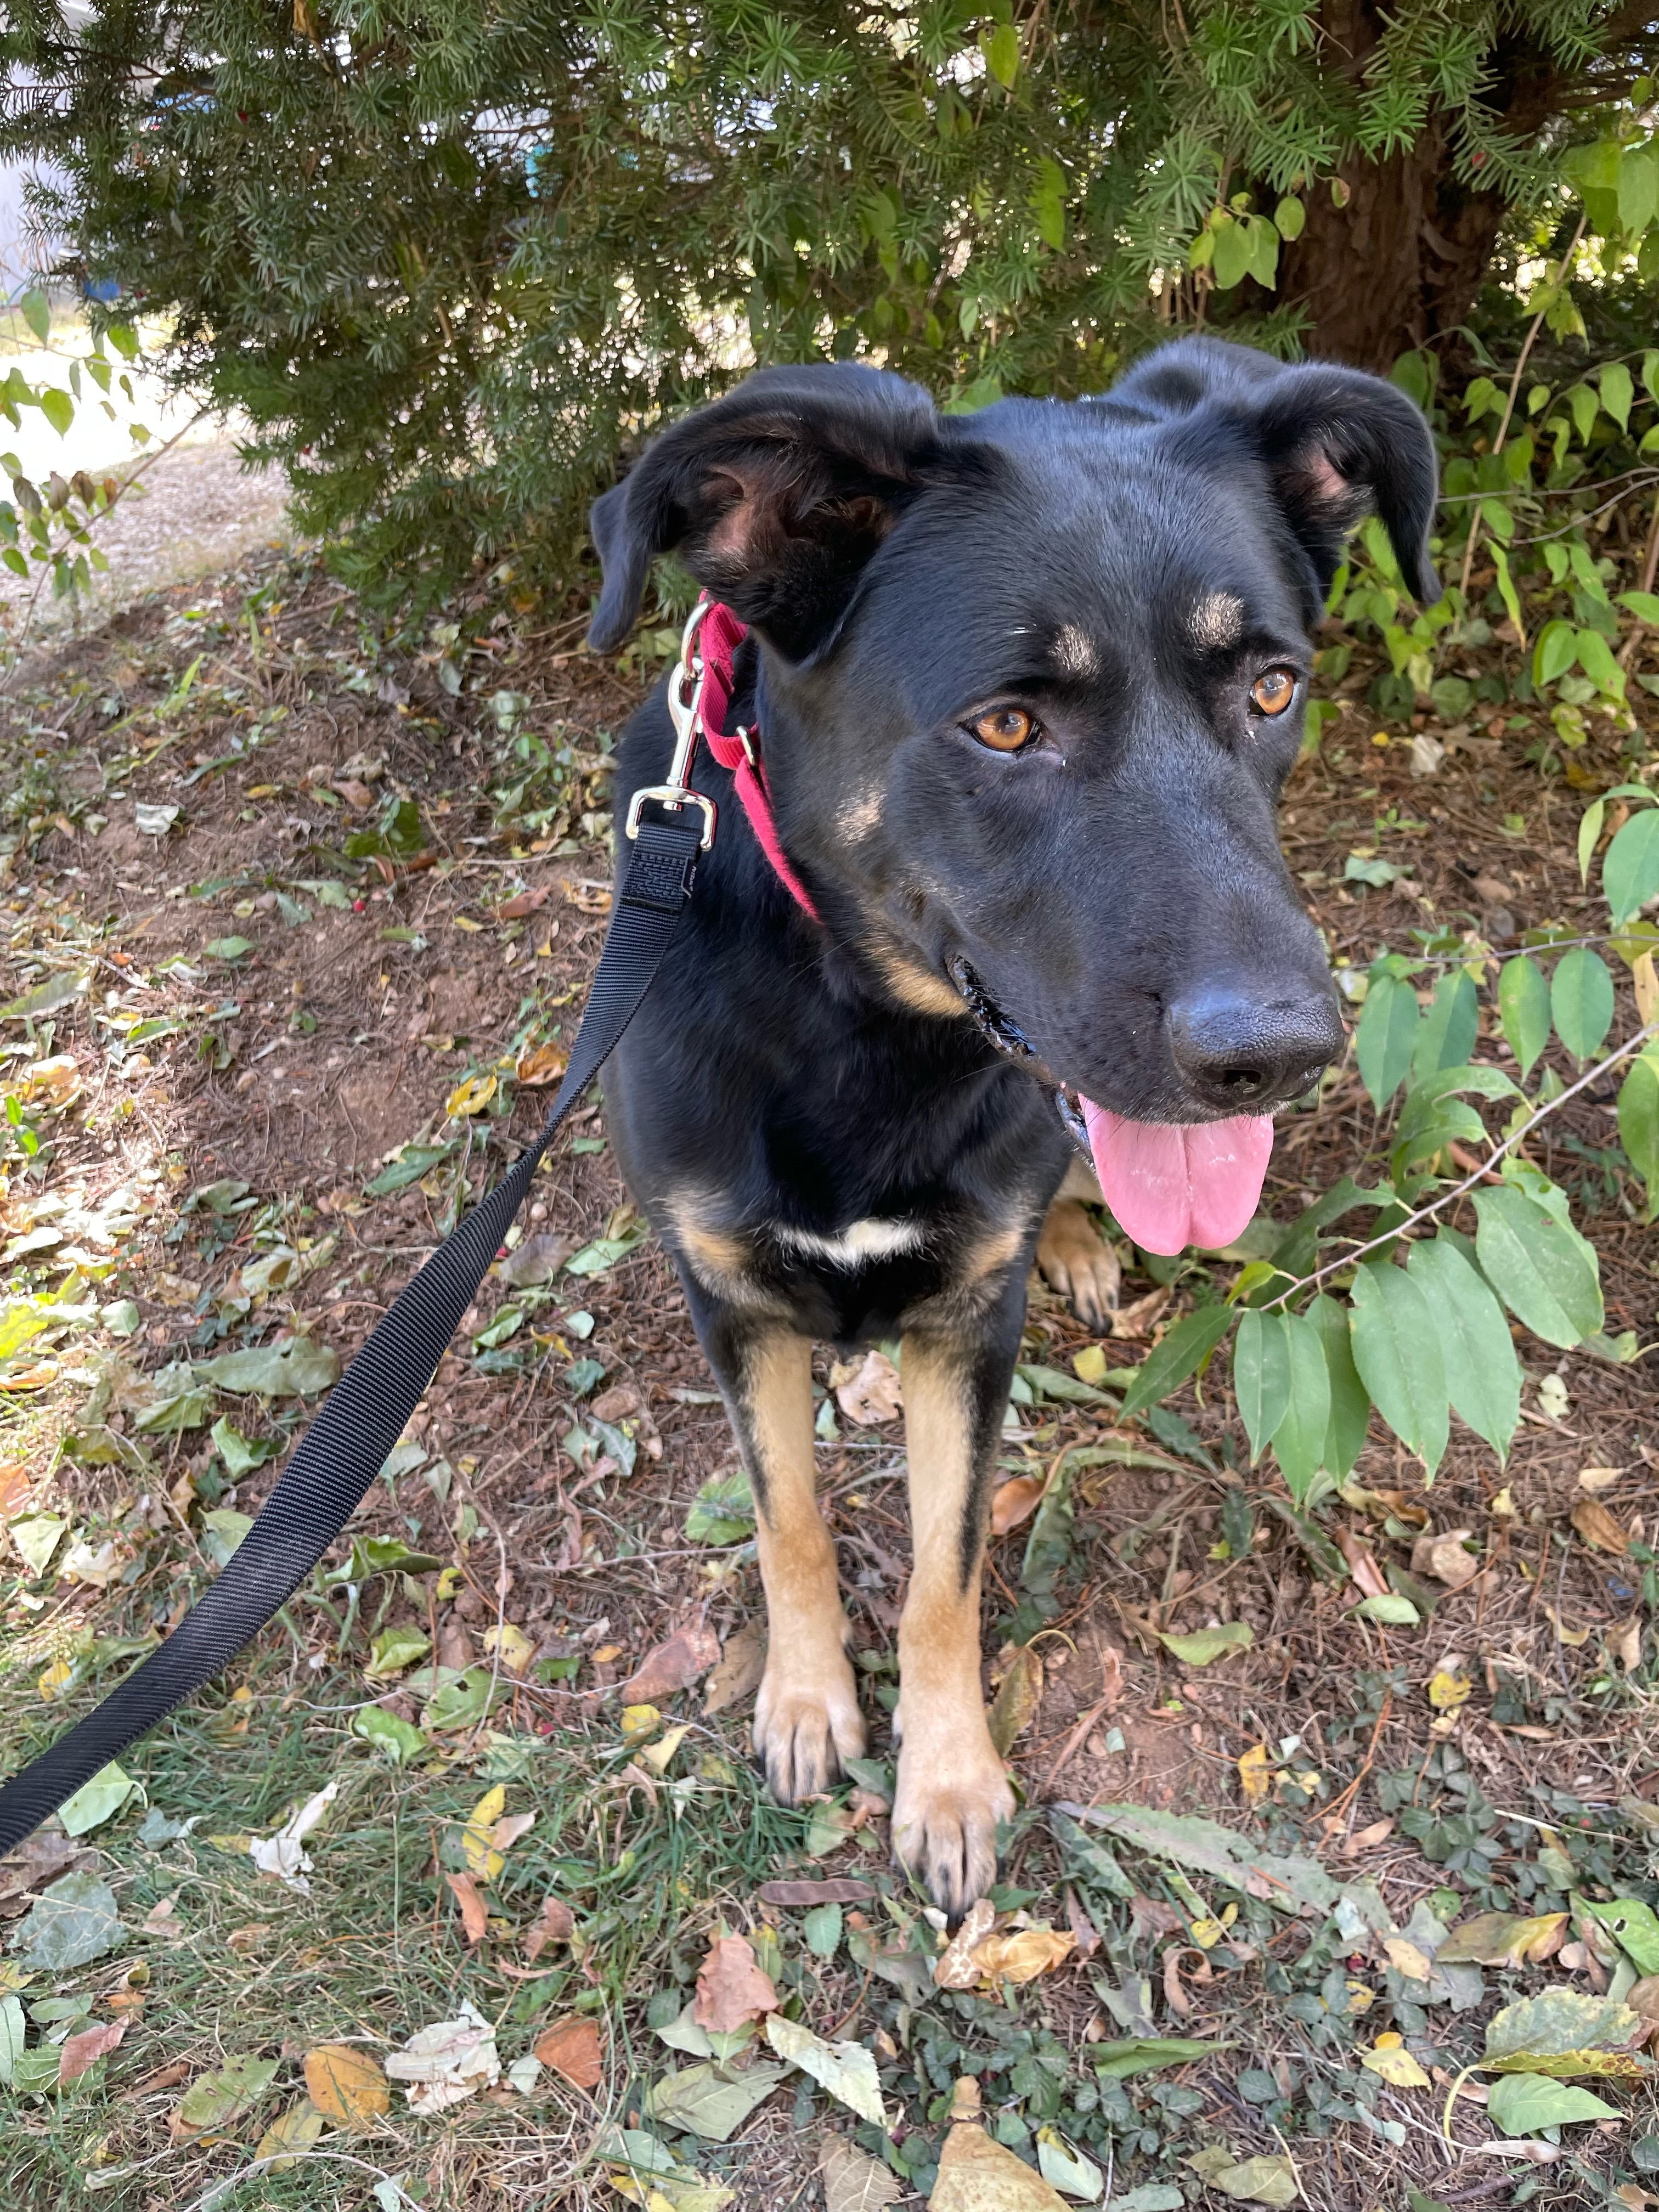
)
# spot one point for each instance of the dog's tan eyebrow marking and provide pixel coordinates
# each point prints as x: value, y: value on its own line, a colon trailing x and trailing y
x: 1074, y: 652
x: 1217, y: 620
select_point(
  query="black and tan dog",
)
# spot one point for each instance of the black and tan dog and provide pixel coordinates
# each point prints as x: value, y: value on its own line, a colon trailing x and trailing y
x: 1030, y: 682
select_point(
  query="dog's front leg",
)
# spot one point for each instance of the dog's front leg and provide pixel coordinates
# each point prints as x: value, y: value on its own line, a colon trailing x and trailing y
x: 806, y: 1716
x: 952, y: 1783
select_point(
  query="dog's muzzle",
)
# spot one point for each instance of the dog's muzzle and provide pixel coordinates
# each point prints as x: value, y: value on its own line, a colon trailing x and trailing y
x: 1004, y: 1036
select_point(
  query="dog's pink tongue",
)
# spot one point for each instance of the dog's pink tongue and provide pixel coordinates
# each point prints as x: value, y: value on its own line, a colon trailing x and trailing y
x: 1171, y: 1185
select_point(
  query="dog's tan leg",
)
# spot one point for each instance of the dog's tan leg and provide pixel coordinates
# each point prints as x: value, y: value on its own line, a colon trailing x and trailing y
x: 806, y: 1716
x: 1074, y: 1258
x: 952, y: 1785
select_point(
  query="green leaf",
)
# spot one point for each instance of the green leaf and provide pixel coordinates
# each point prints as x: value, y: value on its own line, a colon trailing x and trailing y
x: 1522, y: 2104
x: 846, y: 2070
x: 1523, y: 1007
x: 1391, y: 1609
x: 1264, y: 251
x: 1387, y: 1037
x: 1351, y: 1403
x: 228, y: 948
x: 58, y: 408
x: 97, y: 1801
x: 1397, y: 1352
x: 1506, y: 590
x: 1638, y: 1121
x: 12, y: 2033
x: 1543, y: 1270
x: 1630, y: 867
x: 214, y: 2100
x: 1289, y: 218
x: 821, y: 1931
x: 1002, y: 54
x: 37, y: 313
x: 723, y: 1510
x: 1555, y: 651
x: 1638, y: 199
x: 399, y: 1738
x: 413, y: 1160
x: 1617, y: 392
x: 1590, y: 831
x: 1208, y: 1848
x: 74, y: 1921
x: 46, y: 998
x: 1632, y: 1925
x: 1169, y: 1364
x: 1232, y: 262
x: 1581, y: 999
x: 1644, y: 605
x: 394, y: 1648
x: 1595, y: 659
x: 240, y: 1454
x: 711, y: 2100
x: 1446, y: 1034
x: 1262, y: 1376
x: 222, y: 1531
x: 36, y: 1538
x: 298, y: 1367
x: 1300, y: 1437
x: 1121, y: 2058
x: 1562, y: 2033
x: 1204, y: 1646
x: 1483, y: 1375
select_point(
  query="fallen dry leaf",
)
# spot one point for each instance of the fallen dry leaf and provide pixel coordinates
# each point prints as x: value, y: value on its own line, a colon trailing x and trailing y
x: 871, y: 1393
x: 1138, y: 1320
x: 85, y: 2049
x: 555, y: 1924
x: 1624, y: 1642
x: 1407, y: 1959
x: 1255, y: 1774
x: 545, y: 1065
x: 685, y: 1658
x: 571, y: 2047
x: 739, y: 1674
x: 1017, y: 1698
x: 1184, y: 1963
x: 1022, y: 1956
x: 163, y: 1920
x: 954, y: 1968
x: 1595, y: 1479
x: 1368, y: 1839
x: 13, y: 1489
x: 1444, y: 1558
x: 853, y: 2181
x: 1504, y: 1939
x: 1572, y: 1638
x: 164, y: 2078
x: 447, y: 2062
x: 836, y: 1889
x: 965, y: 2100
x: 346, y: 2084
x: 976, y: 2174
x: 289, y: 2133
x: 1015, y: 1502
x: 1085, y: 1932
x: 731, y: 1989
x: 1598, y: 1528
x: 521, y: 903
x: 1369, y: 1578
x: 475, y: 1919
x: 1389, y: 2059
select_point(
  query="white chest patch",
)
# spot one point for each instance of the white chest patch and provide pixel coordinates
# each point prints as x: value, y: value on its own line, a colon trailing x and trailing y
x: 852, y: 1247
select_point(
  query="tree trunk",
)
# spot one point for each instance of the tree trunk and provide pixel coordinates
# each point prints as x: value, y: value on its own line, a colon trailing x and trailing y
x: 1399, y: 265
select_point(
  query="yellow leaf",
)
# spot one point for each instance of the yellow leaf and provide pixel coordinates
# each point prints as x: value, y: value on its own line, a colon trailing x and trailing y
x: 346, y: 2084
x: 295, y: 2129
x: 1088, y: 1365
x: 55, y: 1679
x: 1022, y: 1957
x: 1389, y: 2057
x: 1448, y: 1690
x: 1360, y: 1997
x: 470, y: 1095
x: 1255, y: 1774
x: 657, y: 1755
x: 464, y: 921
x: 483, y: 1861
x: 1405, y: 1957
x: 515, y: 1647
x: 1572, y: 1638
x: 639, y: 1721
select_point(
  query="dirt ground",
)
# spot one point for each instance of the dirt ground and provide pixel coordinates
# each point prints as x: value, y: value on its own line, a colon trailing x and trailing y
x: 267, y: 1006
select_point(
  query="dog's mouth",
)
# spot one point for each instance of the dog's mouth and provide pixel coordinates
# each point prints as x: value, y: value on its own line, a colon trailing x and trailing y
x: 1169, y: 1184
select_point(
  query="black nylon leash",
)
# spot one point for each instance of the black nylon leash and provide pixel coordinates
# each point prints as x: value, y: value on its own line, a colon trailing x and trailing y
x: 366, y: 1413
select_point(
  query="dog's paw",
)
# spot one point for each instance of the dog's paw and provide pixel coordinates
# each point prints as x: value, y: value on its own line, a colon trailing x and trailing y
x: 1076, y: 1262
x: 946, y: 1812
x: 804, y: 1728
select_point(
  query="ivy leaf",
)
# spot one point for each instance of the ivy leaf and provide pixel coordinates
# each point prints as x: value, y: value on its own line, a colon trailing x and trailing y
x: 1396, y: 1349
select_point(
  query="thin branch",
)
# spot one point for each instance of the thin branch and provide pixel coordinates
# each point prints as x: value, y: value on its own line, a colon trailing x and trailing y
x: 1450, y: 1197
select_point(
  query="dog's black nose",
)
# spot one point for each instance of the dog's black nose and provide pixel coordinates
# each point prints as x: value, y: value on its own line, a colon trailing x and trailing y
x: 1244, y: 1051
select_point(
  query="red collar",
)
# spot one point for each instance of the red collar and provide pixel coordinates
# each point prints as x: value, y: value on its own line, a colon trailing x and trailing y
x: 715, y: 640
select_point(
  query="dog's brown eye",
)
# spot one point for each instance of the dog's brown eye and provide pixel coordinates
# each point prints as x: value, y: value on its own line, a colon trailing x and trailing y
x: 1273, y: 692
x: 1004, y: 729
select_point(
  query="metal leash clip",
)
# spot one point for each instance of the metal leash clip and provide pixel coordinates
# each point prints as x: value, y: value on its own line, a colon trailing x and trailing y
x: 686, y: 714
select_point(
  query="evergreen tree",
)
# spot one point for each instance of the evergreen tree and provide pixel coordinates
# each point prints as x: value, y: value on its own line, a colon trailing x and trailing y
x: 450, y: 258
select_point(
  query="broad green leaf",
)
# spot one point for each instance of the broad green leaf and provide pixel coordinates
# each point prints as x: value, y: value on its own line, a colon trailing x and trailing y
x: 75, y: 1921
x: 1483, y: 1375
x: 12, y: 2033
x: 1002, y: 53
x: 1523, y: 1007
x: 58, y: 408
x: 1397, y: 1352
x: 395, y: 1649
x: 1542, y: 1269
x: 1447, y: 1032
x: 1630, y: 866
x: 1524, y: 2103
x: 1204, y: 1646
x: 1638, y: 203
x: 214, y: 2100
x: 298, y: 1367
x: 1207, y: 1848
x: 413, y: 1160
x: 1562, y: 2033
x: 1521, y: 463
x: 97, y: 1801
x: 1638, y: 1121
x: 1644, y: 605
x: 1300, y: 1437
x: 1590, y: 831
x: 1120, y: 2059
x: 846, y: 2070
x: 1231, y: 260
x: 399, y: 1738
x: 1581, y: 999
x: 1554, y: 653
x: 1289, y: 218
x: 1351, y: 1403
x: 711, y: 2100
x: 222, y: 1530
x: 821, y: 1931
x: 1168, y: 1365
x: 1267, y: 2178
x: 1617, y: 389
x: 1387, y: 1037
x: 241, y: 1453
x: 1262, y: 1376
x: 36, y: 1538
x: 1632, y: 1925
x: 37, y: 313
x: 1390, y: 1608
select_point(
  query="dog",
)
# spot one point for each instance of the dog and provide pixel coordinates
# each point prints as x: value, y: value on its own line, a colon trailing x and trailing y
x: 1028, y: 683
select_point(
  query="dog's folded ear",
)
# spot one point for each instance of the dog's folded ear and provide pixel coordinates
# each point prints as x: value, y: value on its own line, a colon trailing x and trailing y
x: 774, y: 496
x: 1339, y: 445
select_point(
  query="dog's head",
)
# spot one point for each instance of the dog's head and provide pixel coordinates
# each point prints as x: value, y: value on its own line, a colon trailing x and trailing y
x: 1033, y: 679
